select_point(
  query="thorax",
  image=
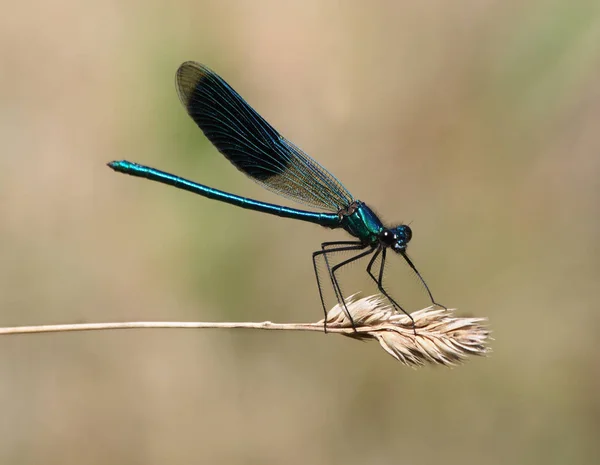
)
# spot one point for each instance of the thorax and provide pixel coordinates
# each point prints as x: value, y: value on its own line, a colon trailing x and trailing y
x: 361, y: 222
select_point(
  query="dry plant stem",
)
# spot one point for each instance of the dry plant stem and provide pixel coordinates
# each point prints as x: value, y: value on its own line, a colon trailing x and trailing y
x: 172, y: 325
x: 442, y: 338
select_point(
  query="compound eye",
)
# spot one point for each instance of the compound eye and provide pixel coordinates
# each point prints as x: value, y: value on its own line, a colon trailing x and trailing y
x: 387, y: 237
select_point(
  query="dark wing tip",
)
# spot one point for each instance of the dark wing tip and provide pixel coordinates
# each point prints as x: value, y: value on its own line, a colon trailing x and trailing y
x: 187, y: 78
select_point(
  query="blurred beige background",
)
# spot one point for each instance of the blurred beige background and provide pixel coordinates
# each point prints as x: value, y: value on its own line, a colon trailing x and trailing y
x: 477, y: 122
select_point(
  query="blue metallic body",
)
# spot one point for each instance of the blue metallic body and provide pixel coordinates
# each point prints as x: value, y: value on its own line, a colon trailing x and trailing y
x: 358, y: 219
x: 329, y: 220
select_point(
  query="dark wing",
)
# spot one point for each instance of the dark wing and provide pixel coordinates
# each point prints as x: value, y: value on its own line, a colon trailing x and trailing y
x: 252, y: 144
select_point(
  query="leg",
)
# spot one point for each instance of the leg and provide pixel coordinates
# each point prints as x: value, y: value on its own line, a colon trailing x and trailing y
x: 325, y: 252
x: 342, y: 246
x: 336, y: 283
x: 379, y: 282
x: 410, y: 263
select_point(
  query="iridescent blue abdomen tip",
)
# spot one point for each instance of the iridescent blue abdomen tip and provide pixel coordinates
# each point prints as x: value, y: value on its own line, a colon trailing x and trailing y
x: 120, y: 165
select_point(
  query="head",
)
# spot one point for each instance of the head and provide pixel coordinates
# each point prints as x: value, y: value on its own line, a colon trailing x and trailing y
x: 397, y: 238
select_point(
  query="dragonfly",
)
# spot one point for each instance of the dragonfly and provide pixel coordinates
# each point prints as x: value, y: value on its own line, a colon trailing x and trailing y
x: 259, y: 151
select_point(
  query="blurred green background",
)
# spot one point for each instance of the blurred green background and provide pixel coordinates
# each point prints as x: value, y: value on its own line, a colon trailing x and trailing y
x: 478, y: 122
